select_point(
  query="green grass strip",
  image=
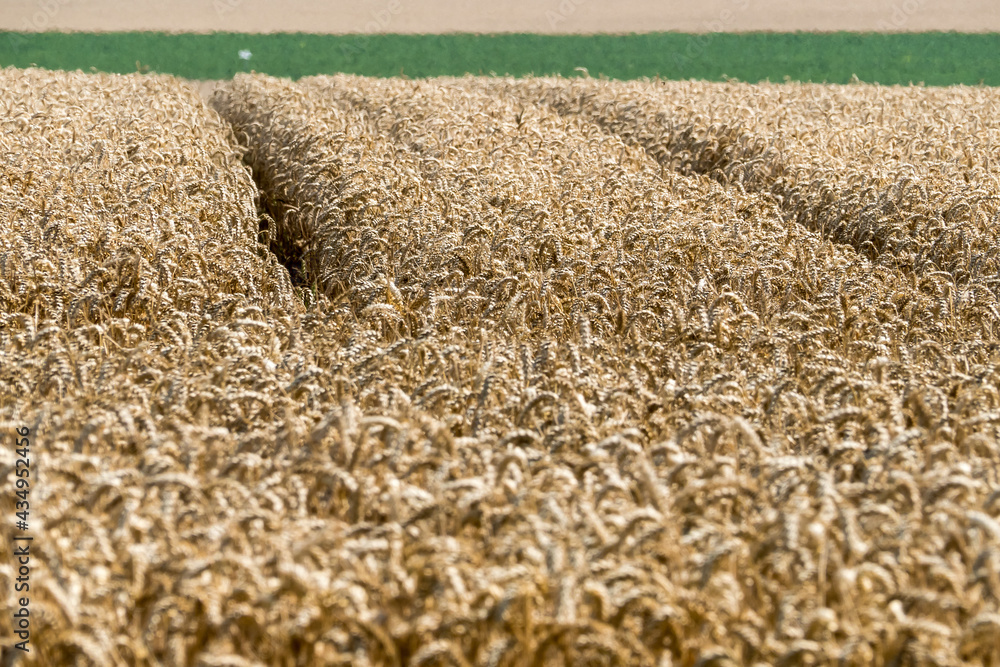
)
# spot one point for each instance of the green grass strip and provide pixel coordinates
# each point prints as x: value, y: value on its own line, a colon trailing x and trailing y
x: 930, y: 58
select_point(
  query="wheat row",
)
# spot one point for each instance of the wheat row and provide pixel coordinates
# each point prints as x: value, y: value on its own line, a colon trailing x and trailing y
x: 906, y: 175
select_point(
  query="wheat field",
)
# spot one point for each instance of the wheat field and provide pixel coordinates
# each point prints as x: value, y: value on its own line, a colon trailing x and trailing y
x: 488, y: 371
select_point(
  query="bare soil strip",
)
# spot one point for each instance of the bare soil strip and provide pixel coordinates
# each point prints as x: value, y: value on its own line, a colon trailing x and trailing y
x: 550, y: 16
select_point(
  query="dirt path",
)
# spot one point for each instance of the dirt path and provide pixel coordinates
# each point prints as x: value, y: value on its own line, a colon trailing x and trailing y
x: 546, y: 16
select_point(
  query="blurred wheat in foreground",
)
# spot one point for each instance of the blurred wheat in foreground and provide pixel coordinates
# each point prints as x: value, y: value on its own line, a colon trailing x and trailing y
x: 502, y: 372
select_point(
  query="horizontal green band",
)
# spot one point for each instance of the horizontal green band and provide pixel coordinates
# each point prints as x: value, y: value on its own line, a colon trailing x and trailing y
x: 902, y: 58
